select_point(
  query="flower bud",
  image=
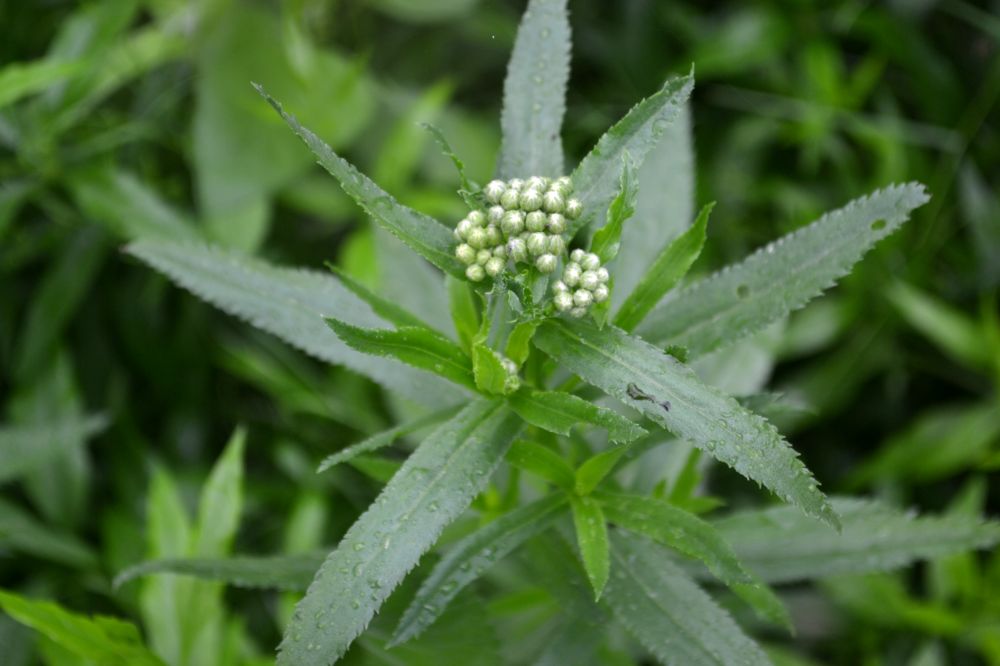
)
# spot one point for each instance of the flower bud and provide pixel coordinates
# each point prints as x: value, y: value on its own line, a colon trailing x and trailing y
x: 493, y: 236
x: 500, y: 251
x: 509, y: 366
x: 494, y: 266
x: 509, y: 199
x: 515, y: 184
x: 483, y: 256
x: 477, y: 217
x: 537, y: 243
x: 577, y: 255
x: 556, y: 223
x: 601, y: 293
x: 556, y: 244
x: 537, y: 183
x: 559, y: 286
x: 477, y: 238
x: 589, y: 281
x: 590, y: 262
x: 553, y: 202
x: 512, y: 223
x: 546, y: 263
x: 495, y: 214
x: 466, y: 254
x: 602, y: 274
x: 535, y: 221
x: 578, y: 312
x: 475, y: 272
x: 571, y: 274
x: 517, y: 249
x: 463, y: 228
x: 563, y: 301
x: 573, y: 209
x: 582, y: 298
x: 493, y: 190
x: 530, y: 199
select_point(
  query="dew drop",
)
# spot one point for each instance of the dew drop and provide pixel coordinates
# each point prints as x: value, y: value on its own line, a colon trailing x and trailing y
x: 358, y: 569
x: 359, y: 546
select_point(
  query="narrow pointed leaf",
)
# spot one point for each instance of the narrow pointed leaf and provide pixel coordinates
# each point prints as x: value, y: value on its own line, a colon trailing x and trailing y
x: 597, y: 177
x: 417, y: 346
x: 607, y: 240
x: 781, y: 545
x: 558, y: 412
x: 519, y: 341
x: 780, y: 277
x: 669, y: 614
x: 692, y: 536
x: 464, y: 314
x: 542, y: 462
x: 470, y: 557
x: 593, y: 470
x: 20, y: 79
x: 289, y: 303
x: 468, y: 191
x: 670, y: 394
x: 384, y: 438
x: 282, y: 572
x: 429, y: 491
x: 383, y: 307
x: 668, y: 268
x: 23, y: 533
x: 24, y: 448
x: 534, y: 93
x: 490, y: 375
x: 425, y: 235
x: 592, y: 539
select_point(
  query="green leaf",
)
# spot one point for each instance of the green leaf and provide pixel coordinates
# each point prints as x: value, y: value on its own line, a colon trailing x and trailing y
x: 668, y: 268
x: 534, y: 93
x: 385, y: 438
x: 780, y: 277
x: 670, y: 394
x: 596, y: 179
x: 28, y: 447
x: 430, y: 490
x: 519, y: 341
x: 558, y: 412
x: 465, y: 315
x: 491, y: 376
x: 289, y: 303
x: 469, y: 558
x: 221, y: 501
x: 418, y: 346
x: 20, y: 79
x: 608, y: 238
x: 593, y: 470
x: 104, y: 640
x: 384, y: 308
x: 282, y: 572
x: 542, y: 462
x: 23, y: 533
x: 954, y: 332
x: 468, y: 190
x: 780, y: 545
x: 669, y: 614
x: 695, y: 538
x: 423, y: 234
x: 592, y: 539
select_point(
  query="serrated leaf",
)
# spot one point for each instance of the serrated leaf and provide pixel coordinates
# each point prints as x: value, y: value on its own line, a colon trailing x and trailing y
x: 99, y: 639
x: 23, y: 533
x: 669, y: 614
x: 666, y: 271
x: 542, y: 462
x: 384, y: 438
x: 282, y: 572
x: 289, y: 303
x: 425, y: 235
x: 593, y: 470
x: 434, y: 485
x: 670, y: 394
x: 592, y: 540
x: 418, y: 346
x: 519, y: 341
x: 780, y: 277
x: 469, y: 558
x: 695, y: 538
x: 24, y: 448
x: 558, y: 412
x: 384, y: 308
x: 490, y: 375
x: 534, y: 93
x: 596, y: 178
x: 468, y: 191
x: 608, y: 238
x: 464, y: 314
x: 781, y: 545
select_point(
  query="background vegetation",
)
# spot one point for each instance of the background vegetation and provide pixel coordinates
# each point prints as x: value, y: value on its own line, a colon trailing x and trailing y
x: 121, y: 119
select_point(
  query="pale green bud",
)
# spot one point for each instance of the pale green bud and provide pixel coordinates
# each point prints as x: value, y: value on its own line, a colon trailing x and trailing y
x: 495, y: 214
x: 493, y: 190
x: 571, y: 274
x: 500, y: 251
x: 578, y: 312
x: 475, y: 272
x: 546, y: 263
x: 556, y: 244
x: 509, y: 366
x: 509, y: 199
x: 530, y: 199
x: 537, y: 183
x: 537, y: 243
x: 559, y: 286
x: 573, y: 209
x: 590, y: 262
x: 582, y: 298
x: 515, y: 184
x: 494, y: 266
x: 512, y: 223
x: 477, y: 217
x: 563, y: 185
x: 465, y: 253
x: 577, y: 255
x: 477, y: 238
x: 553, y: 202
x: 589, y: 281
x: 602, y: 274
x: 535, y: 221
x: 563, y: 301
x: 463, y: 228
x: 517, y: 249
x: 483, y: 256
x: 556, y: 223
x: 601, y: 293
x: 493, y: 236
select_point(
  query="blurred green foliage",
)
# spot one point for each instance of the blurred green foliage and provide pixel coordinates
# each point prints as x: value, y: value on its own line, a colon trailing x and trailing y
x: 122, y: 119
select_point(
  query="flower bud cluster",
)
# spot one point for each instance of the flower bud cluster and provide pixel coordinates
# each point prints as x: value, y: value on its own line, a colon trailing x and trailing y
x: 525, y: 222
x: 583, y: 282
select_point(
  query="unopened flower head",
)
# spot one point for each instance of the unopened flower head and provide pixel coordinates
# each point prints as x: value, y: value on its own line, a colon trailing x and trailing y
x: 583, y: 283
